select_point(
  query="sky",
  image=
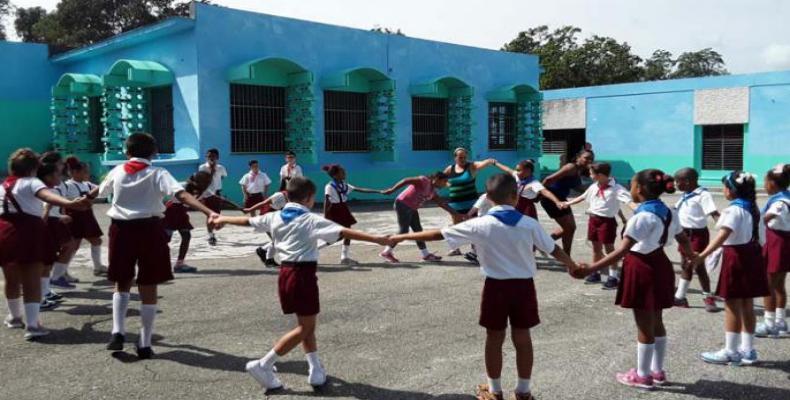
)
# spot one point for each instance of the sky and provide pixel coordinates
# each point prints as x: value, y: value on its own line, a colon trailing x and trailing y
x: 752, y: 35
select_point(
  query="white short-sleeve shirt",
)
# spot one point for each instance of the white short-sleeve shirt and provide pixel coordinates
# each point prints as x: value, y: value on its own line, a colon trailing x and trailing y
x: 24, y: 192
x: 609, y: 204
x: 739, y: 221
x: 287, y: 173
x: 255, y: 184
x: 781, y: 212
x: 510, y: 254
x: 278, y: 200
x: 694, y: 208
x: 482, y: 205
x: 334, y: 196
x: 216, y: 180
x: 530, y: 190
x: 76, y: 189
x: 647, y: 228
x: 297, y: 241
x: 138, y: 195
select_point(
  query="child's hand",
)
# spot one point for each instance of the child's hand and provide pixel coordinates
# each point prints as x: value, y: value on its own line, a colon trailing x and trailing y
x: 246, y: 210
x: 393, y: 240
x: 383, y: 240
x: 580, y: 271
x: 563, y: 205
x: 83, y: 203
x: 215, y: 221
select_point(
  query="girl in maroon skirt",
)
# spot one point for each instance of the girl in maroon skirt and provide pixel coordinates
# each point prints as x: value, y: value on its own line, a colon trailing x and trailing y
x: 743, y: 276
x: 336, y: 204
x: 83, y: 223
x: 648, y: 278
x: 776, y: 215
x: 177, y: 218
x: 58, y: 236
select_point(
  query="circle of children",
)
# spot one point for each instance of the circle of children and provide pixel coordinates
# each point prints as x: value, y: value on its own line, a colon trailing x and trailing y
x: 45, y: 217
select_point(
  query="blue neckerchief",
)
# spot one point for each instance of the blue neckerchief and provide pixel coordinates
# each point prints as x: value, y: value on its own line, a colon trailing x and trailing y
x: 340, y: 187
x: 509, y: 217
x: 743, y: 203
x: 783, y: 196
x: 656, y: 207
x: 688, y: 196
x: 288, y: 214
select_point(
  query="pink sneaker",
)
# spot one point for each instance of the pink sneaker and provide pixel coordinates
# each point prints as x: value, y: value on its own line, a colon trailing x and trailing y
x: 631, y: 378
x: 432, y: 257
x: 389, y: 257
x: 659, y: 377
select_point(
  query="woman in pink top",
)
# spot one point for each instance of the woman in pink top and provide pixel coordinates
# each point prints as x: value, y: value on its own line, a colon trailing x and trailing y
x: 420, y: 189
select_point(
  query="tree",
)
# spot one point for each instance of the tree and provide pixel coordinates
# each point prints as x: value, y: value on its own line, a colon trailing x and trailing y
x: 553, y: 48
x: 705, y: 62
x: 602, y: 61
x: 659, y: 66
x: 387, y: 31
x: 5, y: 8
x: 26, y: 18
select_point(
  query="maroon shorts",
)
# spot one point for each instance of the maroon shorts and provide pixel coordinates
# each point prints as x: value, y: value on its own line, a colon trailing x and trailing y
x: 141, y: 242
x: 298, y: 288
x: 513, y: 299
x: 214, y: 203
x: 527, y: 207
x: 777, y: 251
x: 57, y: 235
x: 22, y: 239
x: 743, y: 274
x: 84, y: 225
x: 340, y: 214
x: 253, y: 199
x: 176, y: 217
x: 601, y: 229
x: 698, y: 238
x: 647, y: 282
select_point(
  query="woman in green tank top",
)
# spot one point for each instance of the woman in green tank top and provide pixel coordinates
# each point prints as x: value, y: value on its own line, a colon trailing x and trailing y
x: 462, y: 184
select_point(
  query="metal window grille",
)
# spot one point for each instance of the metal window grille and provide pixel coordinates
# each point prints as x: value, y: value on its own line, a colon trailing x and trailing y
x: 501, y: 126
x: 95, y: 125
x: 722, y: 147
x: 345, y: 121
x: 161, y: 117
x: 555, y: 142
x: 257, y: 119
x: 429, y: 123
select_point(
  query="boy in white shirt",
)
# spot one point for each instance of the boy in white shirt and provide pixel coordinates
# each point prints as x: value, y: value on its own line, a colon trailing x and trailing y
x: 212, y: 197
x: 289, y: 170
x: 296, y: 232
x: 254, y: 185
x: 137, y: 235
x: 504, y: 239
x: 275, y: 202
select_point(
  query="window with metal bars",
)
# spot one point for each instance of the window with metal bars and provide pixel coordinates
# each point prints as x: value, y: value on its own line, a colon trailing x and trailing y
x: 257, y: 119
x: 429, y: 123
x: 501, y: 126
x: 345, y: 121
x: 722, y: 147
x: 160, y: 114
x: 95, y: 125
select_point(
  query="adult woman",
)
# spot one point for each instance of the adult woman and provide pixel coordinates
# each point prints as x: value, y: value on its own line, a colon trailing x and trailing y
x: 560, y: 183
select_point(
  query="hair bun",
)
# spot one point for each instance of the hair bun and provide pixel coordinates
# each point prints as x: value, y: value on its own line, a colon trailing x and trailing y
x: 326, y: 167
x: 73, y: 162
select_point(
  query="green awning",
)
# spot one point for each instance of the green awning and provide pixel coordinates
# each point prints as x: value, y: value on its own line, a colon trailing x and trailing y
x: 512, y: 93
x: 78, y: 85
x: 359, y: 79
x: 270, y: 71
x: 138, y: 73
x: 442, y: 87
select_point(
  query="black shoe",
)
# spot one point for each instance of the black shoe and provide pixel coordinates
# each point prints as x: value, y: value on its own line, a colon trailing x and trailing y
x: 212, y: 241
x: 271, y: 263
x: 611, y: 283
x: 472, y: 258
x: 144, y: 353
x: 261, y: 252
x: 116, y: 343
x: 593, y: 278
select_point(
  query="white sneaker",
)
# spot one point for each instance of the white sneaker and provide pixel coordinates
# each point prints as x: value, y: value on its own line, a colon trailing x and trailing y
x: 13, y: 323
x: 317, y: 376
x: 33, y: 333
x: 722, y: 357
x: 266, y: 378
x: 763, y: 331
x: 99, y: 270
x: 748, y: 358
x: 781, y: 327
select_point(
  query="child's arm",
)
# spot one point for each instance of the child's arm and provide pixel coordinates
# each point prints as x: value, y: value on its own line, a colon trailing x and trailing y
x: 259, y: 205
x: 685, y: 245
x: 472, y: 213
x: 621, y: 214
x: 82, y: 203
x: 564, y: 258
x: 222, y: 220
x: 768, y: 218
x: 610, y: 258
x: 244, y: 192
x: 504, y: 168
x: 571, y: 202
x: 715, y: 215
x: 365, y: 237
x: 326, y: 203
x: 431, y: 235
x: 403, y: 182
x: 478, y: 165
x: 443, y: 205
x: 186, y: 198
x: 717, y: 242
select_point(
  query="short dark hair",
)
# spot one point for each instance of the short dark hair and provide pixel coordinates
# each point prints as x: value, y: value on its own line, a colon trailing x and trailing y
x: 45, y: 170
x: 51, y: 157
x: 23, y: 162
x: 501, y: 187
x: 601, y: 168
x: 780, y: 176
x: 300, y: 189
x: 213, y: 151
x: 252, y: 162
x: 527, y: 164
x: 687, y: 173
x: 141, y: 145
x: 290, y: 153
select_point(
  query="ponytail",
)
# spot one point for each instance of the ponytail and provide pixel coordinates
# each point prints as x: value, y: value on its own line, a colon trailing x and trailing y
x: 331, y: 169
x: 743, y: 186
x: 654, y: 183
x: 780, y: 176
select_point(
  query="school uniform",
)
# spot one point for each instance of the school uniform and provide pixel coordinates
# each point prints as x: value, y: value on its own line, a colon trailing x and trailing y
x: 287, y: 172
x: 254, y: 184
x: 57, y: 232
x: 648, y: 279
x: 295, y: 233
x: 212, y: 198
x: 83, y: 222
x: 693, y: 209
x: 604, y: 201
x: 528, y: 191
x: 137, y: 233
x: 177, y: 216
x: 777, y: 233
x: 504, y: 240
x: 337, y: 209
x: 743, y: 273
x: 482, y: 205
x: 22, y: 230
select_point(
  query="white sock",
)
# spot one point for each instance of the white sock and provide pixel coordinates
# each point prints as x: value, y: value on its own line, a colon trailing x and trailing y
x: 267, y: 362
x: 522, y: 386
x: 425, y: 252
x: 683, y: 287
x: 780, y: 314
x: 659, y: 353
x: 45, y: 286
x: 15, y: 307
x: 31, y: 314
x: 312, y: 360
x: 267, y: 246
x: 747, y: 342
x: 387, y: 250
x: 495, y: 385
x: 769, y: 319
x: 614, y: 273
x: 58, y: 270
x: 96, y: 256
x: 147, y: 316
x: 344, y: 251
x: 120, y: 303
x: 731, y: 341
x: 644, y: 356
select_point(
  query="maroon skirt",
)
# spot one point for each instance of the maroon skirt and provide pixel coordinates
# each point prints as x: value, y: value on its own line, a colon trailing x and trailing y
x: 527, y: 207
x: 699, y: 239
x: 601, y: 229
x: 84, y: 225
x: 176, y: 217
x: 253, y: 199
x: 648, y: 281
x: 57, y: 235
x: 777, y: 251
x: 22, y: 239
x: 743, y: 274
x: 339, y: 213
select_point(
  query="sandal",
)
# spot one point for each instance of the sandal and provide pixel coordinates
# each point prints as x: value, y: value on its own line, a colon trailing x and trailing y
x: 483, y: 393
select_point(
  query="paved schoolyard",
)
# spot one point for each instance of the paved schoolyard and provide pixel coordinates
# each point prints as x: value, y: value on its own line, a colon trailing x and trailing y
x: 386, y: 332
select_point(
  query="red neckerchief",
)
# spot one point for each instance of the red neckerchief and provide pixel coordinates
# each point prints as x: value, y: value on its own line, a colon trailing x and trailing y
x: 133, y: 167
x: 9, y: 182
x: 601, y: 188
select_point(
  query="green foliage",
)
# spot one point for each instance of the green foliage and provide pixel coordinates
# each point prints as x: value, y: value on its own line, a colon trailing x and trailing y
x: 387, y: 31
x: 5, y: 8
x: 659, y: 66
x: 704, y: 62
x: 26, y: 18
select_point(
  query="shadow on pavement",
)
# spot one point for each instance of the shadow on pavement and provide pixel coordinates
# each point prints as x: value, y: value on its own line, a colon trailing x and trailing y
x: 724, y: 390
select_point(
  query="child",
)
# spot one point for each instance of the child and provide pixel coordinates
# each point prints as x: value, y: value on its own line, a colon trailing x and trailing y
x: 694, y: 208
x: 289, y: 170
x: 58, y: 236
x: 23, y: 239
x: 275, y: 202
x: 177, y: 219
x: 776, y: 214
x: 479, y: 209
x: 508, y: 263
x: 529, y: 188
x: 604, y: 198
x: 743, y: 276
x: 336, y: 205
x: 648, y: 277
x: 83, y: 223
x: 212, y: 197
x: 254, y: 185
x: 296, y: 232
x: 137, y: 235
x: 420, y: 189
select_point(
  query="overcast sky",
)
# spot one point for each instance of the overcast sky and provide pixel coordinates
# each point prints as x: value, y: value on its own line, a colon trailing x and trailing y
x: 753, y: 35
